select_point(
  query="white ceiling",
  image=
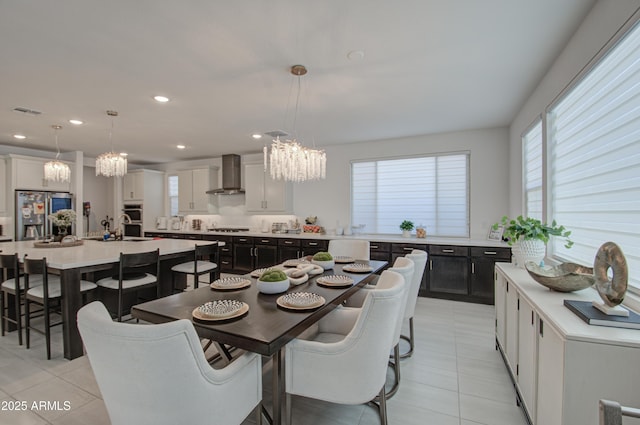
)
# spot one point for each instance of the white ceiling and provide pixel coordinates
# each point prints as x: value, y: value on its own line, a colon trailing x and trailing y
x: 430, y: 66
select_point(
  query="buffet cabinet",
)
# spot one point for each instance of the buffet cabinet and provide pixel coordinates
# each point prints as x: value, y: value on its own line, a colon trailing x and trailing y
x: 559, y: 365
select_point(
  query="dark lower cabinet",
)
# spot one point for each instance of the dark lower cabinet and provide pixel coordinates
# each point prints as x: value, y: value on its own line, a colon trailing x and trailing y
x: 448, y: 271
x: 288, y: 249
x: 483, y: 261
x: 250, y: 253
x: 311, y: 246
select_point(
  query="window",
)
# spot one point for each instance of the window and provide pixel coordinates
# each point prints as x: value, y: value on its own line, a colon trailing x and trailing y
x: 173, y: 194
x: 532, y: 160
x: 430, y: 190
x: 594, y: 158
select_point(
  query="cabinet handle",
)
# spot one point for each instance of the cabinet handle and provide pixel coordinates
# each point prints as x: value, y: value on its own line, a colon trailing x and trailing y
x: 242, y: 240
x: 430, y: 264
x: 255, y: 252
x: 410, y: 249
x: 313, y: 243
x: 490, y: 253
x: 298, y: 254
x: 288, y: 242
x: 374, y: 247
x: 541, y: 328
x: 473, y: 268
x: 264, y: 240
x: 532, y: 318
x: 447, y: 251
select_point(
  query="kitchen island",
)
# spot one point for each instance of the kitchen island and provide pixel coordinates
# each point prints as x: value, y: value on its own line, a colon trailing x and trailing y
x: 93, y: 256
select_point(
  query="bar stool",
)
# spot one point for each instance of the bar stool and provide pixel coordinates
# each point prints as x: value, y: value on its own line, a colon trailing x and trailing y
x: 47, y: 293
x: 12, y: 286
x: 135, y: 272
x: 204, y: 257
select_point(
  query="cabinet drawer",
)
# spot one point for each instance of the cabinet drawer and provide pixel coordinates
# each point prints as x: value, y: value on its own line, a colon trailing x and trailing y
x: 243, y: 240
x: 379, y: 247
x: 225, y: 239
x: 289, y: 242
x: 496, y: 253
x: 314, y: 244
x: 450, y: 250
x: 265, y: 241
x: 406, y: 248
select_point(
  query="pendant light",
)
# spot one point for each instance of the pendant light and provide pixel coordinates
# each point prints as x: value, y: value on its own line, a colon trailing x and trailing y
x: 57, y: 171
x: 110, y: 164
x: 289, y: 159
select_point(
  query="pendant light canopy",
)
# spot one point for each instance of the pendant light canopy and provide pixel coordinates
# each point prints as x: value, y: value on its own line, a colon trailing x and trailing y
x: 57, y: 171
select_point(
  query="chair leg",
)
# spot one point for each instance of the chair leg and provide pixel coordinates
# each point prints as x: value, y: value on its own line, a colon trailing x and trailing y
x: 119, y: 306
x: 288, y: 408
x: 196, y: 281
x: 410, y: 339
x: 2, y: 318
x: 27, y: 321
x: 382, y: 407
x: 47, y: 328
x: 18, y: 309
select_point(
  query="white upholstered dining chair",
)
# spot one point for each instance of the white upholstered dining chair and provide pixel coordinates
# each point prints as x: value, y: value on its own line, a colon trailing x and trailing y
x: 354, y: 248
x: 352, y: 344
x: 158, y: 374
x: 419, y: 259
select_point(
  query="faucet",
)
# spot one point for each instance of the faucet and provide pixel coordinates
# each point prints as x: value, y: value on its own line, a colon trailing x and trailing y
x: 126, y: 220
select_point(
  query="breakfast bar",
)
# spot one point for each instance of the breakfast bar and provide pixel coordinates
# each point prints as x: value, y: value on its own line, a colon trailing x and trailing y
x: 92, y: 256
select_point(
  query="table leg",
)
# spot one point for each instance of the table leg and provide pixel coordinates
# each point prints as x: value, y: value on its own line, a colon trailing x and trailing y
x: 71, y: 303
x: 278, y: 385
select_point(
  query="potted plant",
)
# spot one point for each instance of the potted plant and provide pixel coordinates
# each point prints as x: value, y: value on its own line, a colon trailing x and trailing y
x: 529, y: 237
x: 63, y: 218
x: 406, y: 226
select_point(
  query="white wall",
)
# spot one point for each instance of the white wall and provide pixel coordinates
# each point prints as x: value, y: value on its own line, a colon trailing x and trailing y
x: 97, y: 190
x: 604, y: 20
x: 330, y: 199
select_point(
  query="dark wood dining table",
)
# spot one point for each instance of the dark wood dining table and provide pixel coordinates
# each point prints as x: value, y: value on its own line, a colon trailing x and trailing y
x: 266, y: 328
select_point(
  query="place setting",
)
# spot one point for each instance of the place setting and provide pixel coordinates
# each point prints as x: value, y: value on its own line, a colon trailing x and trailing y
x: 230, y: 283
x: 342, y: 259
x: 220, y: 310
x: 300, y: 301
x: 357, y: 268
x: 335, y: 281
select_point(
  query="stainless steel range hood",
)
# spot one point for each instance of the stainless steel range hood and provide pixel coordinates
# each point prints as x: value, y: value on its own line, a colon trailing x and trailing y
x: 231, y: 173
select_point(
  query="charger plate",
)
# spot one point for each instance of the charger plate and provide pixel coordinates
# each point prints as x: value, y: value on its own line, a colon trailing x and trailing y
x: 335, y: 281
x: 357, y: 268
x: 341, y: 259
x: 300, y: 301
x: 220, y: 310
x: 230, y: 283
x: 295, y: 262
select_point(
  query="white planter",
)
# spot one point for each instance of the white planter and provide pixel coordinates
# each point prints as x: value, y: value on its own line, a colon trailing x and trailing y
x: 529, y: 250
x: 406, y: 233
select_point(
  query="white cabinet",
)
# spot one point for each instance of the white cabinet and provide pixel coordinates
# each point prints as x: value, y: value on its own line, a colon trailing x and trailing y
x: 3, y: 186
x: 264, y: 194
x: 562, y: 365
x: 133, y: 186
x: 28, y: 174
x: 192, y: 188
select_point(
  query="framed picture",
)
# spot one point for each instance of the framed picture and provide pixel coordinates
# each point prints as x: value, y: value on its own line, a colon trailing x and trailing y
x: 495, y: 235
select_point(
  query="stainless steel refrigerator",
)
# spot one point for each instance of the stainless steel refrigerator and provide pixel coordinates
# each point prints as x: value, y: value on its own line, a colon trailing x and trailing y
x: 32, y: 209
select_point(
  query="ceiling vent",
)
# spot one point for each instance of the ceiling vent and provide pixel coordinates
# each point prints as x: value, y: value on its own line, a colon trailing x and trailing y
x: 27, y: 111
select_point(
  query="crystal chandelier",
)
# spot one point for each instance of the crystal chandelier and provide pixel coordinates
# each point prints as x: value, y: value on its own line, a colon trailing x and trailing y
x: 57, y: 171
x: 111, y: 164
x: 290, y: 160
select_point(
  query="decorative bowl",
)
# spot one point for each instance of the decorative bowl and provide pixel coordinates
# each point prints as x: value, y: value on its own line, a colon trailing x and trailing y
x: 565, y: 277
x: 327, y: 265
x: 273, y: 287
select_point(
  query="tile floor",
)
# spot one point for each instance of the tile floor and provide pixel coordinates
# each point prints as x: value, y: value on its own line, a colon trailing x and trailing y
x: 455, y: 377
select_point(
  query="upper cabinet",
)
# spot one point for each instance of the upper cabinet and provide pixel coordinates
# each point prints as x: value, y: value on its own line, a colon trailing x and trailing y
x: 192, y: 188
x: 133, y: 186
x: 3, y: 186
x: 28, y: 174
x: 265, y: 195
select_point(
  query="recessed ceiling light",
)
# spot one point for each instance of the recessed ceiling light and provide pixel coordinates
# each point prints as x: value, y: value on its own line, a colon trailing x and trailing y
x: 355, y: 55
x: 256, y: 136
x: 76, y: 122
x: 180, y: 146
x: 161, y: 99
x: 20, y: 136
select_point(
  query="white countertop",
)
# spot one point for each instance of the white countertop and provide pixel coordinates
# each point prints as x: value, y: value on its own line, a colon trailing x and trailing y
x: 93, y: 252
x: 370, y: 237
x: 550, y: 305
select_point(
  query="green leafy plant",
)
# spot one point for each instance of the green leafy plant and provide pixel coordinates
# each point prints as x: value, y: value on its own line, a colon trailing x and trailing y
x: 531, y: 228
x: 273, y: 275
x: 322, y: 256
x: 406, y: 225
